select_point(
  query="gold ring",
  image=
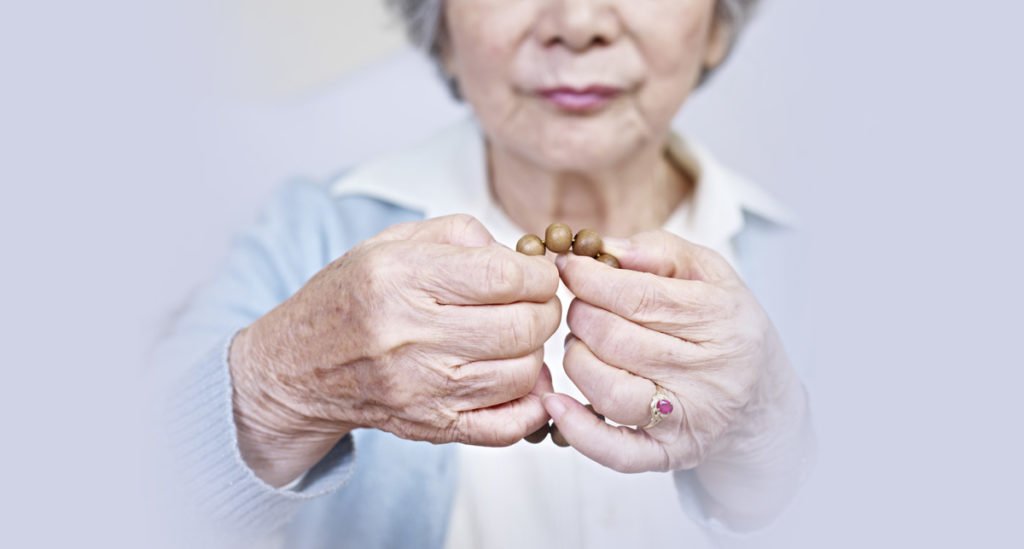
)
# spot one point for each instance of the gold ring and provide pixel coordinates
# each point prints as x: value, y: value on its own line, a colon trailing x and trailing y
x: 661, y: 406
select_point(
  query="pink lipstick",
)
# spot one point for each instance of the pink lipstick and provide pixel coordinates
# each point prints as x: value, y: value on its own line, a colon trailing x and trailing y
x: 580, y: 100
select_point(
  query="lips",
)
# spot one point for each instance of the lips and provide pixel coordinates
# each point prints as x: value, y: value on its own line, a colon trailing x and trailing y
x: 580, y: 100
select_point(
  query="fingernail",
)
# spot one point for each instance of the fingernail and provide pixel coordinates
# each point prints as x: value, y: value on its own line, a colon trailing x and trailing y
x: 554, y: 405
x: 560, y: 261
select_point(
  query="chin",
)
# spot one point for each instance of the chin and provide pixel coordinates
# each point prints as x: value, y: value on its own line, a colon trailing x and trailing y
x: 580, y: 144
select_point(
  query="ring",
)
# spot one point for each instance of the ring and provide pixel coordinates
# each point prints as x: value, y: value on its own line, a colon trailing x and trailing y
x: 661, y: 406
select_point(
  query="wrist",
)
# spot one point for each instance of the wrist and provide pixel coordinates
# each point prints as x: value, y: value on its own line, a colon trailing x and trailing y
x: 276, y: 440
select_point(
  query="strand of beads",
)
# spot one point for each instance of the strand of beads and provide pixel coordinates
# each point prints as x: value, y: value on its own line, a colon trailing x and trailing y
x: 559, y: 239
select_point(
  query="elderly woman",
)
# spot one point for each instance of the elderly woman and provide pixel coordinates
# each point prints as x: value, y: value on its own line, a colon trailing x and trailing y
x: 366, y: 324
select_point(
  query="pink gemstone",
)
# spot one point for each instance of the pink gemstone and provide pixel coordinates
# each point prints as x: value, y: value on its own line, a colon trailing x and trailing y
x: 665, y: 407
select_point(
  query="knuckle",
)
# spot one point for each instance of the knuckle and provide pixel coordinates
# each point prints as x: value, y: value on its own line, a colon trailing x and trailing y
x: 572, y: 361
x: 395, y: 231
x: 378, y: 267
x: 550, y: 279
x: 466, y: 228
x: 467, y: 223
x: 549, y: 317
x: 579, y: 319
x: 517, y: 336
x: 523, y: 376
x: 502, y: 433
x: 647, y: 299
x: 543, y: 322
x: 713, y: 262
x: 510, y: 432
x: 462, y: 219
x: 504, y: 278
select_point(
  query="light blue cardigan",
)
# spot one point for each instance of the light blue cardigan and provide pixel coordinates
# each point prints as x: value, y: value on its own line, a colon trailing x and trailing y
x: 373, y: 489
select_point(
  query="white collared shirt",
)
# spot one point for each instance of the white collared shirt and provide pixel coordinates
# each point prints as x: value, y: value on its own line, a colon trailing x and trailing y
x: 542, y: 495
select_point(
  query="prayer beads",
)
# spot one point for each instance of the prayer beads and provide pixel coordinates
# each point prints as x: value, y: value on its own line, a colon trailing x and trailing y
x: 608, y: 260
x: 587, y: 243
x: 559, y: 239
x: 530, y: 245
x: 539, y: 435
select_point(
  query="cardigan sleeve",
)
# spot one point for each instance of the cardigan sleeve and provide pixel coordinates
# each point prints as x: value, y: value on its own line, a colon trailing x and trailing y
x: 294, y: 238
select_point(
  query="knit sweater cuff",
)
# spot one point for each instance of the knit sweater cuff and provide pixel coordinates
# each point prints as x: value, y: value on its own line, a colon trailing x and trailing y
x: 213, y: 474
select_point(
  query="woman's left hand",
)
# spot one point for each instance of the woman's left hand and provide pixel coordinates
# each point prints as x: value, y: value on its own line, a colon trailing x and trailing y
x: 676, y: 315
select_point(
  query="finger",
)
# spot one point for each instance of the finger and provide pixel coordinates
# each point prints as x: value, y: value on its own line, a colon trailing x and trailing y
x: 489, y: 275
x: 620, y: 448
x: 491, y: 382
x: 502, y: 425
x: 498, y: 331
x: 615, y: 393
x: 544, y: 382
x: 651, y: 300
x: 459, y: 229
x: 665, y: 254
x: 624, y: 344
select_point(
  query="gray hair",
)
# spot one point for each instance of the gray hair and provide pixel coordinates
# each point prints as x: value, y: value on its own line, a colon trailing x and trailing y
x: 424, y: 24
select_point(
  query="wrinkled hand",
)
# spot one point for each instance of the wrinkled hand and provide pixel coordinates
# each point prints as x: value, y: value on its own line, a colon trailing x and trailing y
x: 678, y: 316
x: 430, y: 330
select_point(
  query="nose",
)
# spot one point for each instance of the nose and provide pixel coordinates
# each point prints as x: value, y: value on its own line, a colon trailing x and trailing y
x: 578, y: 24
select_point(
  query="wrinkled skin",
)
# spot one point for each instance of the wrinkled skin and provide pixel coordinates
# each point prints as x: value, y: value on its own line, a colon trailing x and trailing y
x: 681, y: 319
x: 677, y: 315
x: 430, y: 330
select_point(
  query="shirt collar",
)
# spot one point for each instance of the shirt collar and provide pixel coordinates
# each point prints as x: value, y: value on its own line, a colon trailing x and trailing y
x: 442, y: 175
x: 447, y: 174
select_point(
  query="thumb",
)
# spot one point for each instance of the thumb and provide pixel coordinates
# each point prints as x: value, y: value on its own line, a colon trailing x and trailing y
x: 665, y: 254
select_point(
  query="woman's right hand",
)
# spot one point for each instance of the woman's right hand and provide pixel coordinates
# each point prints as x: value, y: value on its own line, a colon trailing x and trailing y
x: 430, y: 330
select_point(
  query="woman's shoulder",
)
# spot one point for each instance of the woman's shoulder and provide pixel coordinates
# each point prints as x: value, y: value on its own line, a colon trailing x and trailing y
x: 308, y: 204
x: 337, y: 212
x: 753, y: 198
x: 440, y: 174
x: 761, y: 206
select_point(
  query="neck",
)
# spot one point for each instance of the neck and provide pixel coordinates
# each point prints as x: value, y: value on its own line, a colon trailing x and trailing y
x: 618, y: 201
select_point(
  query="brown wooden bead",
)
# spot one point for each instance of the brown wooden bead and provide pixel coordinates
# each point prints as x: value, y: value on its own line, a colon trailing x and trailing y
x: 587, y: 243
x: 609, y: 260
x: 558, y: 238
x: 539, y: 435
x: 557, y: 438
x: 530, y: 244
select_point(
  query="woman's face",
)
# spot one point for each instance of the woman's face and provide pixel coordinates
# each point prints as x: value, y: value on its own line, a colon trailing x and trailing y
x: 577, y: 85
